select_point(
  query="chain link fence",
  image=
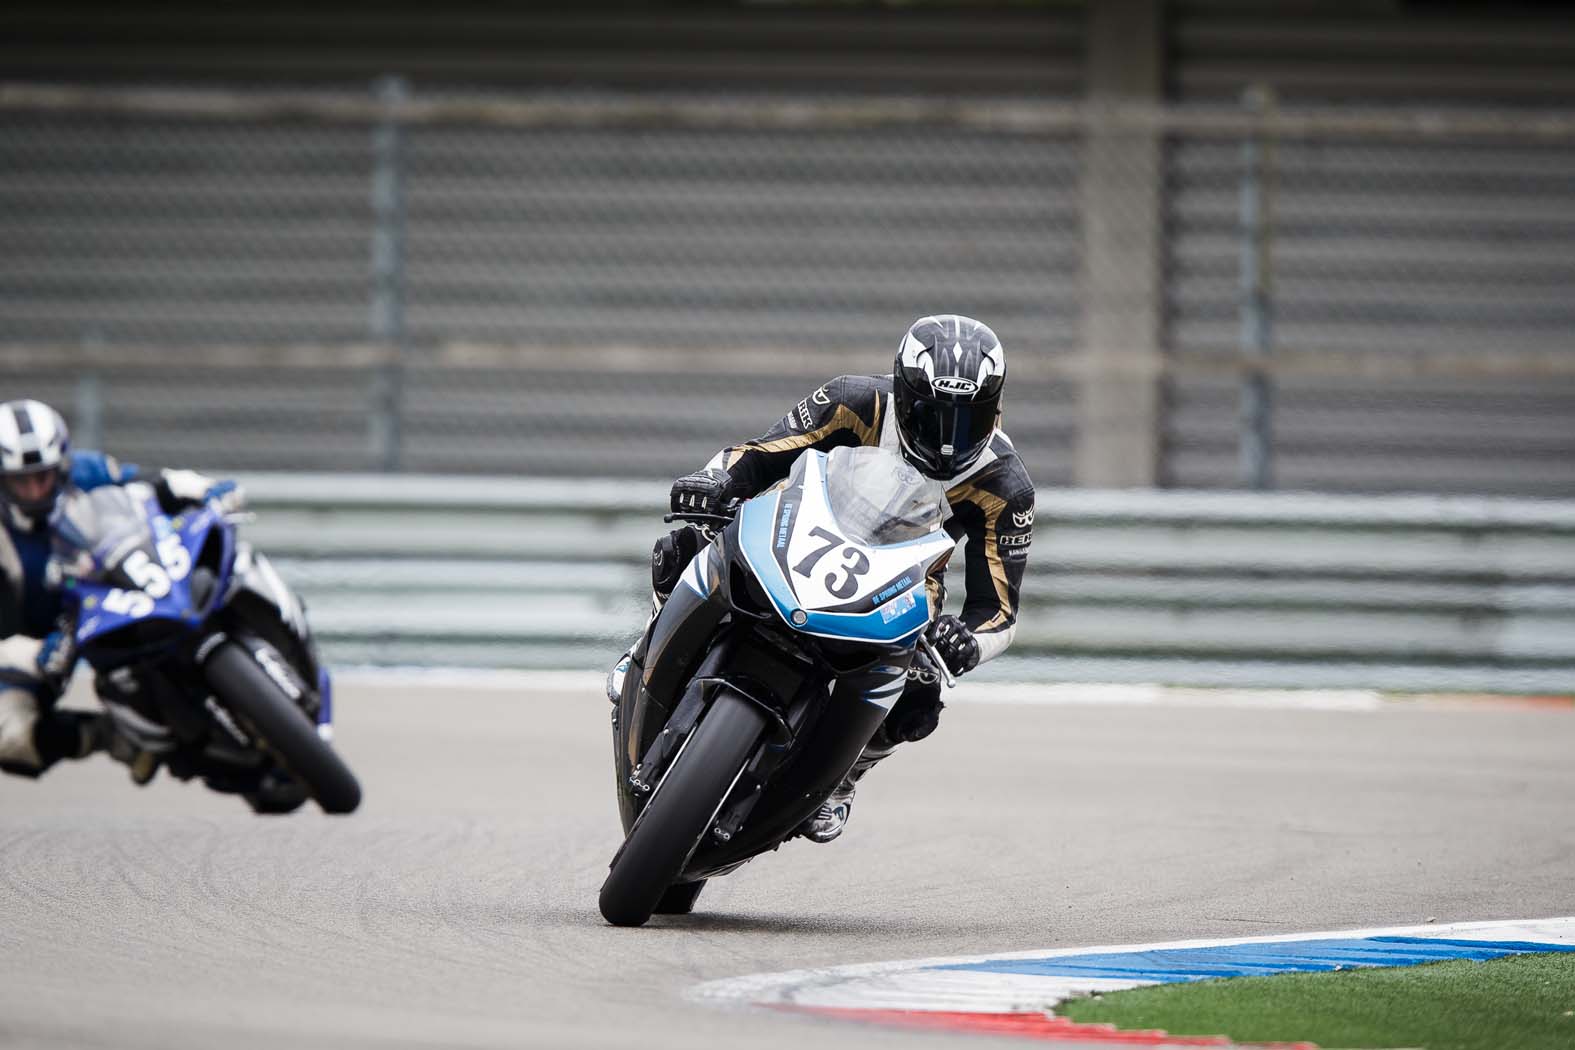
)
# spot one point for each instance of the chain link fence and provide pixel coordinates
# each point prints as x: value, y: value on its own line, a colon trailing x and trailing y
x: 617, y: 286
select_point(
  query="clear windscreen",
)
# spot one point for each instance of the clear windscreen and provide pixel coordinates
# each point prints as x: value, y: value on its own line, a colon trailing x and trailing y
x: 94, y: 531
x: 878, y: 498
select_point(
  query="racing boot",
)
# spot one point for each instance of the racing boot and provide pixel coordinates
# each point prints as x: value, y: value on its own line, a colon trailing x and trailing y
x: 141, y: 763
x: 56, y: 736
x: 64, y: 734
x: 144, y: 765
x: 831, y: 818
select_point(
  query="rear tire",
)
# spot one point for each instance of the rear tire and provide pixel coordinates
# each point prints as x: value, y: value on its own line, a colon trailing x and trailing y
x: 246, y: 690
x: 679, y: 898
x: 670, y: 827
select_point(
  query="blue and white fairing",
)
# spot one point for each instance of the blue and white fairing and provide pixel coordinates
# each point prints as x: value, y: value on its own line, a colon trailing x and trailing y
x: 844, y: 544
x: 119, y: 536
x: 122, y: 562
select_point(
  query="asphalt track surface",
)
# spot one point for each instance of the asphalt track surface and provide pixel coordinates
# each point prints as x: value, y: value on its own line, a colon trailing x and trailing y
x: 458, y: 907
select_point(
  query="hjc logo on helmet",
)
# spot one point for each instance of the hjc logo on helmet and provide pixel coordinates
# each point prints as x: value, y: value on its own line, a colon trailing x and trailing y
x: 955, y: 385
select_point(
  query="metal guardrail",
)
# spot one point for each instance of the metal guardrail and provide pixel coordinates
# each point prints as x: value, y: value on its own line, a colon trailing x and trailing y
x: 1410, y: 592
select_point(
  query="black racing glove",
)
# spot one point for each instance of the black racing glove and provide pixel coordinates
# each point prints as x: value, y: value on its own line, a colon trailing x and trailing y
x: 955, y: 643
x: 703, y: 492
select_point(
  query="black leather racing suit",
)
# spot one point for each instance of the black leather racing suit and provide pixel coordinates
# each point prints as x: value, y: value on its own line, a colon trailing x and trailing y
x: 992, y: 504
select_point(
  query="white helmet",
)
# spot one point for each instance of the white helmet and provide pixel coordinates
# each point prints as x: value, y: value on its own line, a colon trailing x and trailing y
x: 33, y: 441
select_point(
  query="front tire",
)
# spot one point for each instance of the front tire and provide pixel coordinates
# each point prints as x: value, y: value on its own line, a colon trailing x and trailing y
x: 670, y: 827
x: 285, y: 731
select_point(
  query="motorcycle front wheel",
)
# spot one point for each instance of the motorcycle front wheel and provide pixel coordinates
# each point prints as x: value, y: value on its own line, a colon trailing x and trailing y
x: 680, y: 811
x: 245, y: 690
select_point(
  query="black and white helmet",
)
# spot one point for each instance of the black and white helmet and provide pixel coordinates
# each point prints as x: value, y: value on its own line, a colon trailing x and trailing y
x: 33, y: 440
x: 947, y: 380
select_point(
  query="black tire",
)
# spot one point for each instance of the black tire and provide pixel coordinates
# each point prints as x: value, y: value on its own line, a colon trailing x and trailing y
x: 667, y: 831
x: 246, y: 691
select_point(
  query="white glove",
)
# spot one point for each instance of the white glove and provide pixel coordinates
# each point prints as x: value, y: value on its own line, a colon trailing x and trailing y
x: 188, y: 486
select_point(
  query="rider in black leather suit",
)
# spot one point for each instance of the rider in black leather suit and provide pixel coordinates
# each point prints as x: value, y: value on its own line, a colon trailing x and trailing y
x: 940, y: 409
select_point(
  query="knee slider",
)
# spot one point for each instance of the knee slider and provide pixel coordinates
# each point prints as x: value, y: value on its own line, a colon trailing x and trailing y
x: 916, y: 714
x: 18, y: 719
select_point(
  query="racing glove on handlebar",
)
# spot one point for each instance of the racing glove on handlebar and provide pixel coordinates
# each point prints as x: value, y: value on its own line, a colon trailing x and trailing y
x: 955, y: 643
x: 178, y: 489
x: 703, y: 492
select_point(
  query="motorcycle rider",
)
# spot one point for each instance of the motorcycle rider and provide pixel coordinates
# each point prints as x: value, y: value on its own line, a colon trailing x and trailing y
x: 940, y: 409
x: 37, y: 647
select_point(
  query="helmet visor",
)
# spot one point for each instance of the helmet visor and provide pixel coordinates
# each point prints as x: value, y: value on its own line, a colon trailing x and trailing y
x: 34, y: 491
x: 949, y: 435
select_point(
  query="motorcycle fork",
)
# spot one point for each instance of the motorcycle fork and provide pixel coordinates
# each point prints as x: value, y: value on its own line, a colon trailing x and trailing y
x: 773, y: 753
x: 751, y: 786
x: 647, y: 772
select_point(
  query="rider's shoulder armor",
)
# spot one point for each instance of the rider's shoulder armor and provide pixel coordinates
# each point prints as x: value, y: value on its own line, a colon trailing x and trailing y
x: 849, y: 407
x: 1000, y: 489
x: 91, y: 470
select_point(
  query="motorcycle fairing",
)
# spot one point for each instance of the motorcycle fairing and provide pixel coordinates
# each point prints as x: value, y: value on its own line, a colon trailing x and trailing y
x: 254, y: 574
x: 205, y: 568
x: 781, y: 532
x: 176, y: 546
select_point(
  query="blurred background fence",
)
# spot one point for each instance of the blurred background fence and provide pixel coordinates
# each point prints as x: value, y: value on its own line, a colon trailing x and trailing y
x: 1326, y: 248
x: 617, y: 287
x: 1395, y: 592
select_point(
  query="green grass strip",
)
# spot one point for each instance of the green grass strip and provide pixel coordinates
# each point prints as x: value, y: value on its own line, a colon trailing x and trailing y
x: 1523, y: 1002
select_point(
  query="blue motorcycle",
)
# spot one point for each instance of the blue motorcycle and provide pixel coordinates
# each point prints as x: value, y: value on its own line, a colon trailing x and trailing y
x: 787, y: 640
x: 202, y: 656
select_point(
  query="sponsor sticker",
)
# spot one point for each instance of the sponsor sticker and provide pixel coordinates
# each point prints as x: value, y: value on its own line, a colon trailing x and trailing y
x: 283, y: 678
x: 1016, y: 539
x: 897, y: 606
x: 803, y: 414
x: 783, y: 523
x: 901, y: 585
x: 955, y: 385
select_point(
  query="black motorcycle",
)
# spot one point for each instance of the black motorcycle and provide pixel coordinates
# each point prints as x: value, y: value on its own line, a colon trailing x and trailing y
x: 779, y: 653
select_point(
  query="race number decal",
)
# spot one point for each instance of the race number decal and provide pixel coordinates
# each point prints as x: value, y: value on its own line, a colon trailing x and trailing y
x: 147, y: 574
x: 857, y: 563
x: 134, y: 604
x: 173, y: 553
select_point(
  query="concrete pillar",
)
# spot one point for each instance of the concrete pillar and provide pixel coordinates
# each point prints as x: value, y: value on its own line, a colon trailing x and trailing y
x: 1119, y: 406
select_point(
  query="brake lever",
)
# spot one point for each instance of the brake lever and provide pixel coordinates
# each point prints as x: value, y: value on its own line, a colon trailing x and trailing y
x: 697, y: 518
x: 928, y: 648
x: 700, y: 518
